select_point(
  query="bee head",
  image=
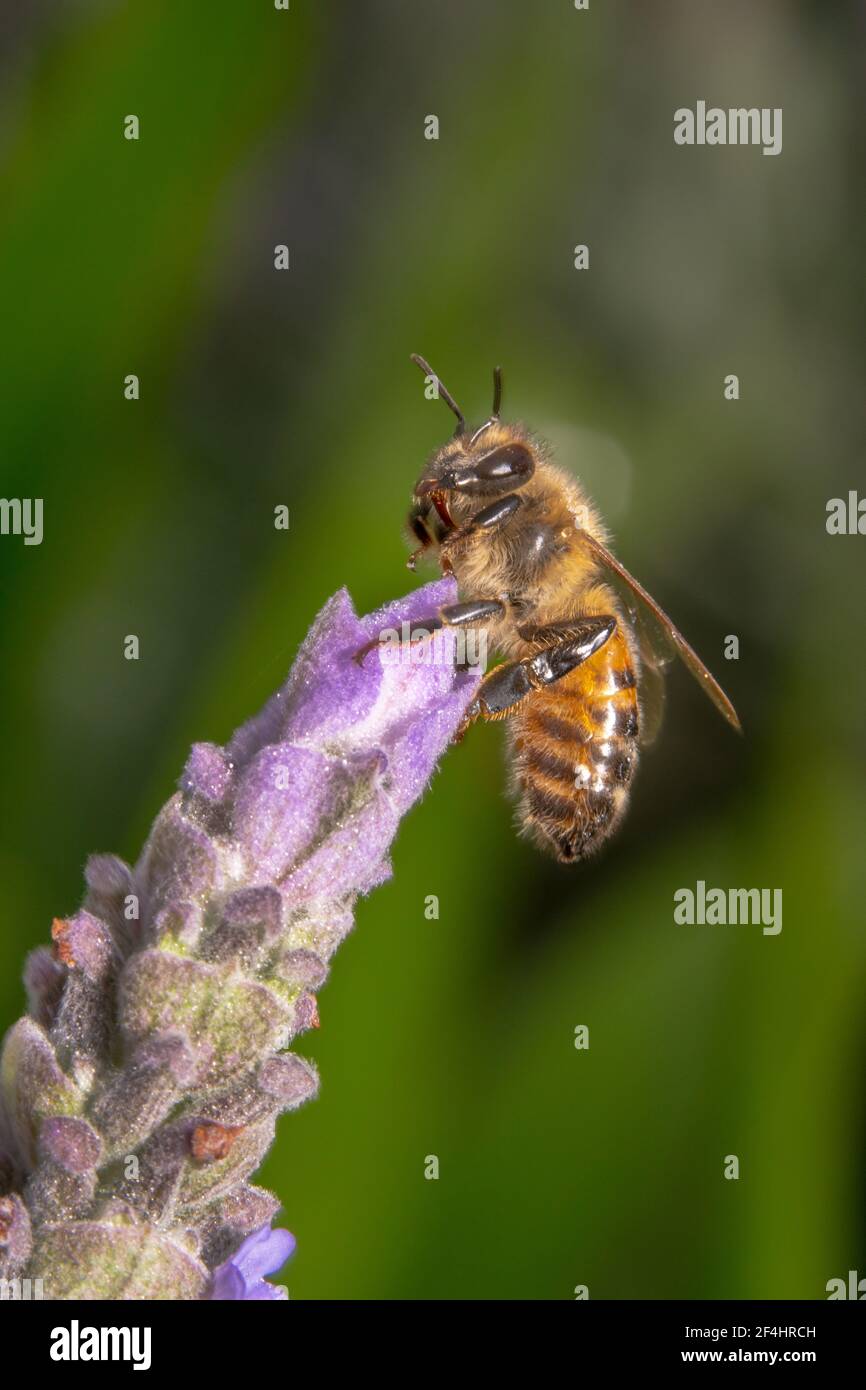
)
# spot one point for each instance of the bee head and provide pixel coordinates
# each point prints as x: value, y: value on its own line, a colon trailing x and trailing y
x: 487, y: 463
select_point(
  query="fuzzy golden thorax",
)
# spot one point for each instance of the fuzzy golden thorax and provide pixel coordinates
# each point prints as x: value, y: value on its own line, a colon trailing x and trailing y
x: 535, y: 565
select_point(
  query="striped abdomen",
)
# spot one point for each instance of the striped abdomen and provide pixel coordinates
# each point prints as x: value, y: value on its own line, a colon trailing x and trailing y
x: 576, y: 752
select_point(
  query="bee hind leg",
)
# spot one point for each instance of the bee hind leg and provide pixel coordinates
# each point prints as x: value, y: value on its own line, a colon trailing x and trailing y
x: 502, y: 689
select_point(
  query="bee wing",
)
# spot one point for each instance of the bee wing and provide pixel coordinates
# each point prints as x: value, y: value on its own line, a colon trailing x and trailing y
x: 651, y: 686
x: 657, y: 634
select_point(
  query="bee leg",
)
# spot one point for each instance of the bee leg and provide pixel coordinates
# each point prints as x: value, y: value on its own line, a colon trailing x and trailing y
x: 568, y: 630
x: 452, y: 615
x: 502, y: 689
x: 472, y: 611
x: 498, y: 695
x: 578, y: 640
x: 496, y: 515
x: 488, y: 519
x: 418, y: 527
x: 418, y: 632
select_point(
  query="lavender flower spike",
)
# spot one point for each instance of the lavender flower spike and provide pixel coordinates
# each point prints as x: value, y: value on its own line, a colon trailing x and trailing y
x: 141, y: 1091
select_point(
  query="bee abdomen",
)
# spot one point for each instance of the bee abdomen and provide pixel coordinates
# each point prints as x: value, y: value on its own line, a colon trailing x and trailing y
x: 576, y: 753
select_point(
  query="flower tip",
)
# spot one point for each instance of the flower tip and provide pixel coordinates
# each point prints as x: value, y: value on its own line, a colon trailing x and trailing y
x: 241, y: 1278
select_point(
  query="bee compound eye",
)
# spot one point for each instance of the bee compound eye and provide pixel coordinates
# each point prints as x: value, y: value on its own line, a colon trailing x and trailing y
x: 509, y: 461
x: 505, y: 467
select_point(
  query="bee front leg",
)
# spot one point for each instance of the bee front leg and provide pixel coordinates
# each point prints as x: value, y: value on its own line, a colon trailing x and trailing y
x: 452, y: 615
x: 417, y: 523
x: 489, y: 519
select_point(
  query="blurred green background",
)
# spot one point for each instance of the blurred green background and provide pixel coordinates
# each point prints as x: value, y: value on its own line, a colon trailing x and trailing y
x: 455, y: 1037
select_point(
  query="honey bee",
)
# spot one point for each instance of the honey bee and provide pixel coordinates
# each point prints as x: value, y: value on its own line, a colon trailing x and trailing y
x: 584, y: 645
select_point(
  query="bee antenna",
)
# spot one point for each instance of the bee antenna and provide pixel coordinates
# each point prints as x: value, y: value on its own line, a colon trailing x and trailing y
x: 497, y: 391
x: 442, y: 391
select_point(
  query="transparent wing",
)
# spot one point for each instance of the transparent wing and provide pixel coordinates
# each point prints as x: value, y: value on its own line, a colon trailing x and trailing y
x: 656, y: 653
x: 659, y: 642
x: 651, y: 690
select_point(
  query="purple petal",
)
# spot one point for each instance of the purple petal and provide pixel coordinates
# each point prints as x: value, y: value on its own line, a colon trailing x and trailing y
x: 265, y: 1291
x: 207, y: 772
x: 228, y: 1283
x: 328, y: 690
x: 241, y: 1278
x: 282, y: 797
x: 263, y: 1252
